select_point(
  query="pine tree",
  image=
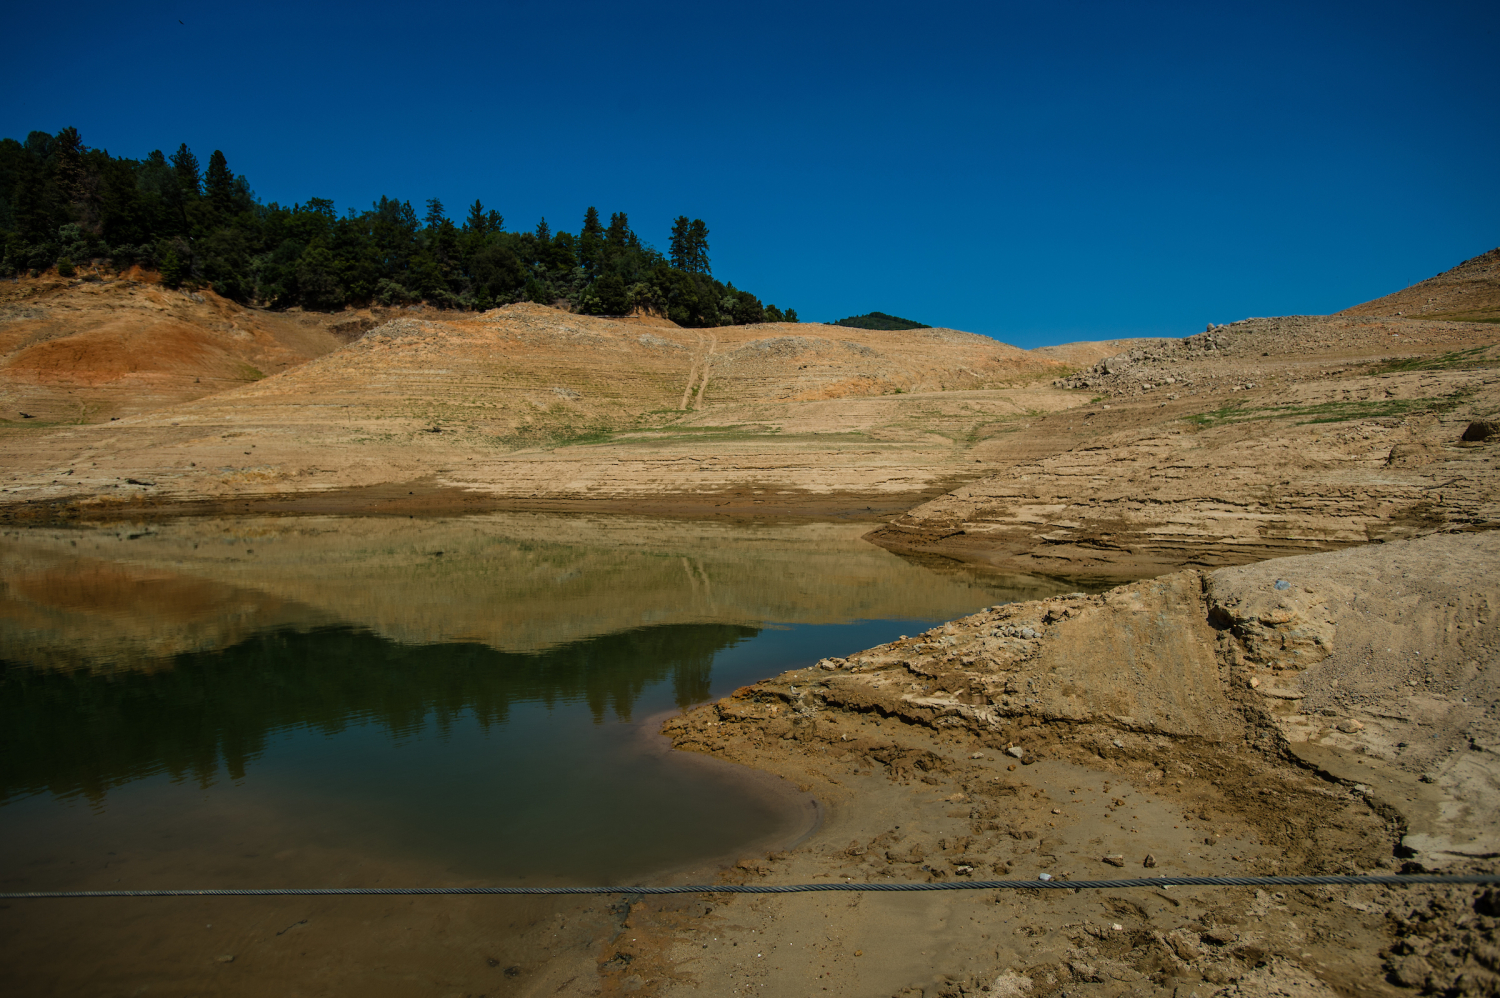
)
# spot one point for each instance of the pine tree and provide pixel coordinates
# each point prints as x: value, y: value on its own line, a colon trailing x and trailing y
x: 698, y: 241
x: 689, y: 246
x: 591, y: 242
x: 680, y: 248
x: 618, y: 235
x: 478, y: 222
x: 543, y: 231
x: 435, y: 216
x: 185, y: 168
x: 67, y: 155
x: 219, y: 186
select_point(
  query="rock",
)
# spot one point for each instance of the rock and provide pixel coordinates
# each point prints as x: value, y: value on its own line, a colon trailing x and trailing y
x: 1219, y: 935
x: 1149, y: 862
x: 224, y: 958
x: 1010, y: 985
x: 1350, y: 726
x: 1016, y: 751
x: 1115, y: 860
x: 1410, y: 971
x: 1184, y: 945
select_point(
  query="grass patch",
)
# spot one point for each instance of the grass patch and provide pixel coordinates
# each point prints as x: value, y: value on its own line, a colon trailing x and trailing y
x: 1456, y: 360
x: 594, y: 436
x: 1329, y: 412
x: 742, y: 429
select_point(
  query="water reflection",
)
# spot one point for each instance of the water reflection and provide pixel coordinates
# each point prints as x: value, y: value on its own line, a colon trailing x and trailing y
x: 80, y: 732
x: 443, y: 697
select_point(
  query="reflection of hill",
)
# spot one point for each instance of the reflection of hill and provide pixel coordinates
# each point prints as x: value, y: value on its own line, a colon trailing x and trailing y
x: 79, y: 732
x: 515, y: 582
x: 61, y: 611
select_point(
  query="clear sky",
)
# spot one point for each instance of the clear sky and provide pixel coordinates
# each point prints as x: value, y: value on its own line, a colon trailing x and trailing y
x: 1039, y: 172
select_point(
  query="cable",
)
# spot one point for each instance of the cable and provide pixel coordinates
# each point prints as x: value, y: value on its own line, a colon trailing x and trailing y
x: 946, y: 885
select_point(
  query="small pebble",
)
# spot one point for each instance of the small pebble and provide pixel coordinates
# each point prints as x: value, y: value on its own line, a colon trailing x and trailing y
x: 1149, y: 862
x: 225, y: 958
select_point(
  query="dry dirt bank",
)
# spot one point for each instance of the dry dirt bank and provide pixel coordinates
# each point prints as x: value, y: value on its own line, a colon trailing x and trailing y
x: 1192, y: 724
x: 86, y: 351
x: 1264, y: 438
x: 528, y: 405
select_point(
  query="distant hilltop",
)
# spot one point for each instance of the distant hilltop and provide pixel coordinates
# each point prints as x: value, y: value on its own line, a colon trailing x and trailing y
x: 81, y: 210
x: 879, y: 320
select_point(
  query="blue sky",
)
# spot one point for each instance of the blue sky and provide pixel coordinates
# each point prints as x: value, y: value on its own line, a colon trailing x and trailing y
x: 1038, y: 172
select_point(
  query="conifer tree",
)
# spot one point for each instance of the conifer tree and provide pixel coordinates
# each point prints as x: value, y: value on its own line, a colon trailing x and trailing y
x: 679, y: 249
x: 478, y: 223
x: 698, y: 243
x: 618, y: 235
x: 219, y: 186
x: 591, y: 242
x: 185, y: 169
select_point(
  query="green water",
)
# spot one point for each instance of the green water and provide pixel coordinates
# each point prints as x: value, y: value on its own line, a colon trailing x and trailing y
x: 348, y: 707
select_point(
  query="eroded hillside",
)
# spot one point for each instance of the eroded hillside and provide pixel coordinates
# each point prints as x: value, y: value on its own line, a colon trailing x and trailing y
x: 530, y: 404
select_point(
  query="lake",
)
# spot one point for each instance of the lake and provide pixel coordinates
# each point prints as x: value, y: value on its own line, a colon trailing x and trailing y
x: 304, y: 701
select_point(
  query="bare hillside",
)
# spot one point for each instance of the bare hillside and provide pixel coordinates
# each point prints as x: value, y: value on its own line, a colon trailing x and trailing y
x: 1470, y: 292
x: 84, y: 351
x: 526, y: 403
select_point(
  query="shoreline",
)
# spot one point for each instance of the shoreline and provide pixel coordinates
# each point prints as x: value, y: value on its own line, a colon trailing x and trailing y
x: 1212, y: 752
x: 426, y: 498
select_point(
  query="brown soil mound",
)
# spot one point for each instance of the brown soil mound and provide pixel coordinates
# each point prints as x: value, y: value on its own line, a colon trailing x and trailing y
x: 1470, y: 292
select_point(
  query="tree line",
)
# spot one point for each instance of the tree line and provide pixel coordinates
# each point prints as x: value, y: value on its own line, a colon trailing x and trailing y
x: 65, y: 205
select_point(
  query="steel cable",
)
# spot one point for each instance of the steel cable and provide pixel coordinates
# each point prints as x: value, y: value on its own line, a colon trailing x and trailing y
x: 945, y: 885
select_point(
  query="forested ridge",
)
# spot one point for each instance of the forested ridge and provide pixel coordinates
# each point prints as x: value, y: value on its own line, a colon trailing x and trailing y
x: 879, y: 320
x: 63, y: 204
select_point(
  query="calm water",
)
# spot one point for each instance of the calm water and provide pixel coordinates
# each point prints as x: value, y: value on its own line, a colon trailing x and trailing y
x: 323, y: 702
